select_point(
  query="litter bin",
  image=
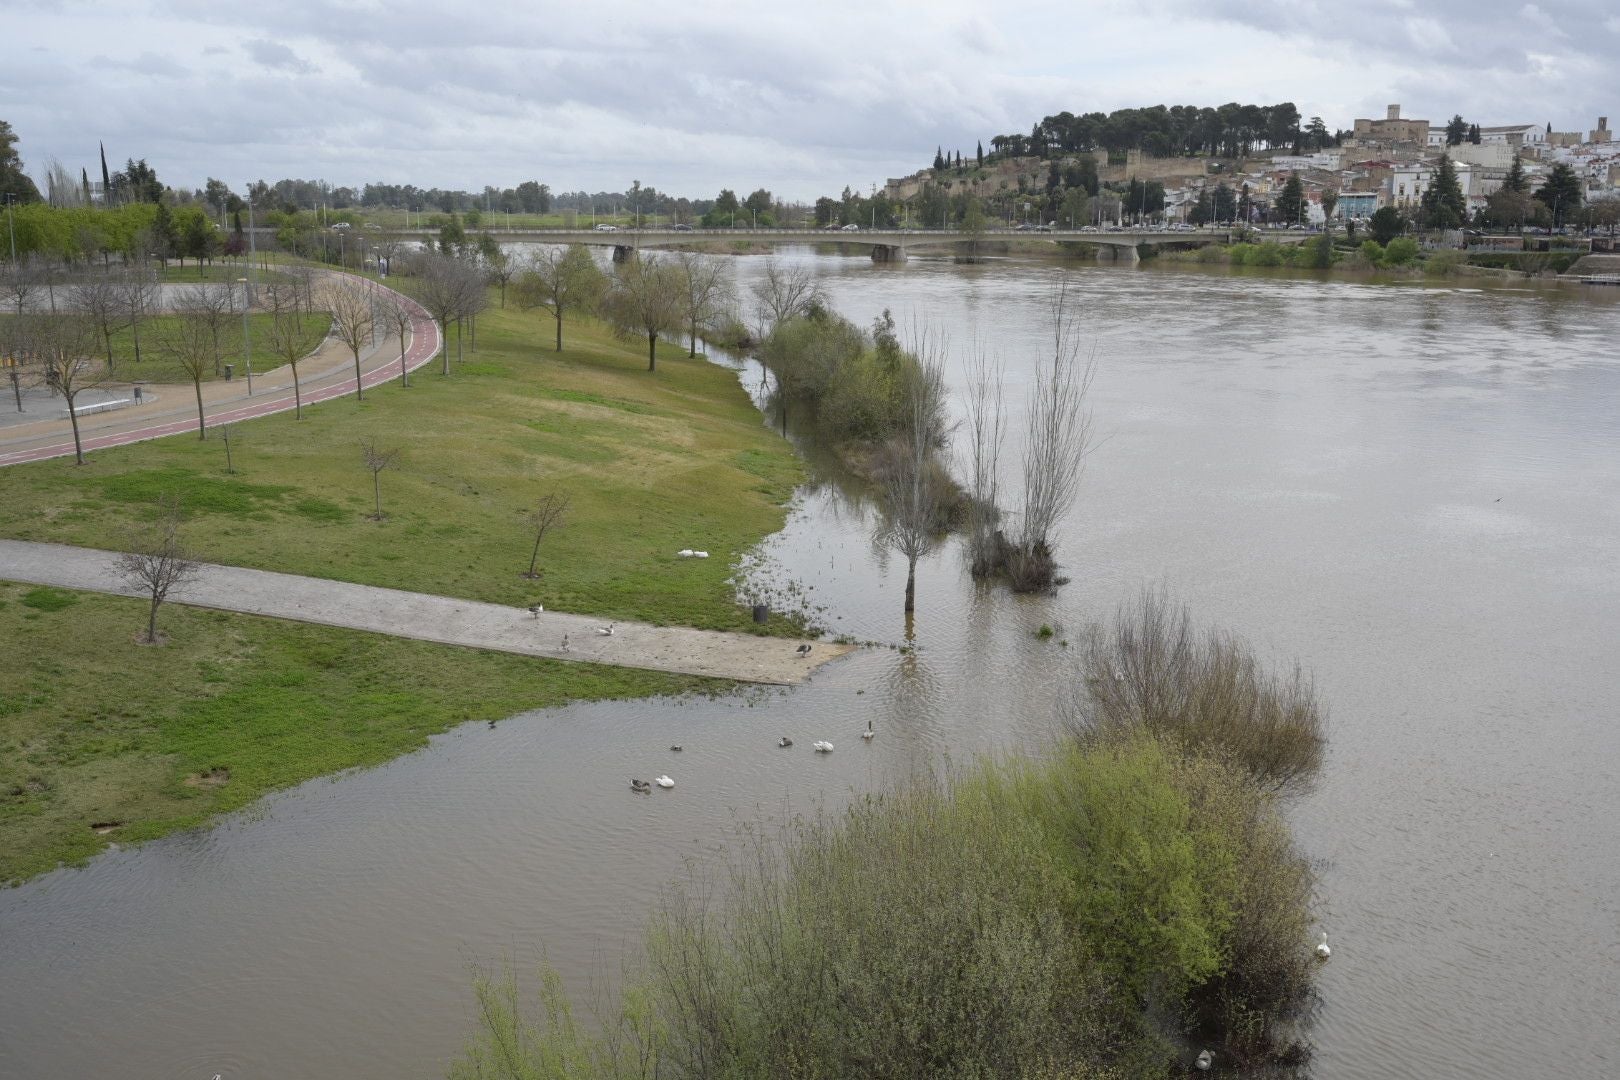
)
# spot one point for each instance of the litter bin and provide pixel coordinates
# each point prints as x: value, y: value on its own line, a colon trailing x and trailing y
x: 230, y: 370
x: 762, y: 613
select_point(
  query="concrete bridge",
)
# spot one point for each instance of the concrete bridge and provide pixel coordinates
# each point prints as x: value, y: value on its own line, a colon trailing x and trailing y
x: 887, y: 245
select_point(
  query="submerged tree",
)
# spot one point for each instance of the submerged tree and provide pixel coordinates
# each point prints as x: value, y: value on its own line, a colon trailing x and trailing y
x: 914, y: 486
x: 707, y: 285
x: 986, y: 425
x: 1055, y: 448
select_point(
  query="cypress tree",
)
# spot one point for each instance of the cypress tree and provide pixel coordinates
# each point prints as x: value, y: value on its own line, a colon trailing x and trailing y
x: 980, y: 152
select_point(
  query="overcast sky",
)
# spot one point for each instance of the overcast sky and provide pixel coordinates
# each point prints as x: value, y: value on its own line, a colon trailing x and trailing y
x: 800, y: 99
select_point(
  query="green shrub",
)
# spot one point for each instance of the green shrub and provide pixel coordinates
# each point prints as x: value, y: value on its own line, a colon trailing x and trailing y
x: 1444, y: 263
x: 1401, y: 251
x: 1266, y: 255
x: 1373, y: 252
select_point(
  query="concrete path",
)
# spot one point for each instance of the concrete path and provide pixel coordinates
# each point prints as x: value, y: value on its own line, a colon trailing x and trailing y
x: 743, y: 657
x: 327, y: 373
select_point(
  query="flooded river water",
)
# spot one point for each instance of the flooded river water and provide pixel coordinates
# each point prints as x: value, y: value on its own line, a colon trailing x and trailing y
x: 1415, y: 491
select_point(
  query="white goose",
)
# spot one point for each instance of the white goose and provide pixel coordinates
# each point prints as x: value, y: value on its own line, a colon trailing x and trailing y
x: 663, y: 781
x: 822, y: 746
x: 1322, y: 950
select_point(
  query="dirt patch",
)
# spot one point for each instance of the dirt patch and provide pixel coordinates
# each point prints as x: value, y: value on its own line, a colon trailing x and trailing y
x: 213, y: 778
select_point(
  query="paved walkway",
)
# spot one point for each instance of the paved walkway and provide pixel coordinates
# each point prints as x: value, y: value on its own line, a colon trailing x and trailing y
x: 327, y: 373
x: 743, y: 657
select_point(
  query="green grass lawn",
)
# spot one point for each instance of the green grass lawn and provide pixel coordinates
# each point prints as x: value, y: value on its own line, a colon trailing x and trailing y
x: 653, y: 462
x: 96, y: 730
x: 179, y: 272
x: 155, y: 366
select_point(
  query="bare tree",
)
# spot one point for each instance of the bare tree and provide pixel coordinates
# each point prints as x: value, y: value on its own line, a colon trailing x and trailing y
x: 16, y: 347
x: 1055, y: 448
x: 138, y: 294
x: 354, y: 317
x: 913, y: 486
x: 60, y: 346
x: 21, y: 278
x: 186, y: 339
x: 100, y: 299
x: 377, y: 460
x: 708, y: 287
x: 227, y: 432
x: 446, y: 283
x: 645, y: 298
x: 215, y: 305
x: 399, y: 313
x: 547, y: 514
x: 986, y: 421
x: 292, y: 337
x: 158, y: 566
x: 474, y: 299
x: 782, y: 293
x: 560, y: 280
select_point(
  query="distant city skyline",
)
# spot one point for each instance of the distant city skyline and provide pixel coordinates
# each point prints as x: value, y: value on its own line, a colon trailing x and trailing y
x: 690, y: 101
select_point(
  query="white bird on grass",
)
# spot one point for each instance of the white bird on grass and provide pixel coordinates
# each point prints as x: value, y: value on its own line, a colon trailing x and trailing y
x: 664, y: 781
x: 686, y: 553
x: 822, y: 746
x: 1322, y: 950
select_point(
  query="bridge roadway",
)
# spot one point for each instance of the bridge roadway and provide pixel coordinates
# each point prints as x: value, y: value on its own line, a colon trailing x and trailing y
x: 888, y: 245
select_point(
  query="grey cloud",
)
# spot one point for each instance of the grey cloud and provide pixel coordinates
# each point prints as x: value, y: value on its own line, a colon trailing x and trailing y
x: 273, y: 54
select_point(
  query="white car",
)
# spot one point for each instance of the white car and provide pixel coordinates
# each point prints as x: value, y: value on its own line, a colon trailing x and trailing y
x: 851, y: 227
x: 607, y: 228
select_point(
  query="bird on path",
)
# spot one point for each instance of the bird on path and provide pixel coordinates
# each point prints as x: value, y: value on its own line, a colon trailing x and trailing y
x: 564, y: 647
x: 803, y: 650
x: 536, y: 609
x: 605, y: 631
x: 784, y: 741
x: 868, y: 733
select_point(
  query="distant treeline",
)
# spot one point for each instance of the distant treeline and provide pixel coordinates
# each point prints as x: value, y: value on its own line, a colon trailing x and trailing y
x: 1230, y: 130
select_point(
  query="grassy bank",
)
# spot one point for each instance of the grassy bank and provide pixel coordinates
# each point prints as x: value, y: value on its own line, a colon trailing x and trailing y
x: 653, y: 463
x: 96, y: 730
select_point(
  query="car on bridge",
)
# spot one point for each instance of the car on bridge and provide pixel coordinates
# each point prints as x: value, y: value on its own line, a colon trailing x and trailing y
x: 681, y: 227
x: 604, y: 227
x: 851, y: 227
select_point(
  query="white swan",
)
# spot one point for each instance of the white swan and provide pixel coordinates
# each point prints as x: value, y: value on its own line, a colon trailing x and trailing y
x: 1322, y: 950
x: 664, y: 781
x: 1205, y: 1060
x: 868, y: 733
x: 822, y: 746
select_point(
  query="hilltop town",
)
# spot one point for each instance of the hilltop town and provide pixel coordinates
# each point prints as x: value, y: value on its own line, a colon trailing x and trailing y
x: 1347, y: 176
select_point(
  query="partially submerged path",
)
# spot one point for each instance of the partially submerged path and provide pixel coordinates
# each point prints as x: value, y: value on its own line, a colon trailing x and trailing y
x: 742, y: 657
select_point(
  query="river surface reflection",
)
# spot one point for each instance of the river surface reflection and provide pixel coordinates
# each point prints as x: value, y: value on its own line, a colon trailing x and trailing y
x: 1413, y: 490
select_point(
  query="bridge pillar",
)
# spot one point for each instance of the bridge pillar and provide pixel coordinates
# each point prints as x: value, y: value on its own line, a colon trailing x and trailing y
x: 1123, y: 253
x: 622, y: 253
x: 888, y: 253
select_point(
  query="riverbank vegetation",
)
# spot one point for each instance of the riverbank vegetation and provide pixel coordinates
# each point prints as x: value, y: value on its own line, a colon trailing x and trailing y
x: 105, y: 740
x: 1104, y: 908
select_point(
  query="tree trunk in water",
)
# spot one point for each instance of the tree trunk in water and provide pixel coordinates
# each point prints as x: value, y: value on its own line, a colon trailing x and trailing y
x: 652, y: 351
x: 202, y: 426
x: 911, y: 586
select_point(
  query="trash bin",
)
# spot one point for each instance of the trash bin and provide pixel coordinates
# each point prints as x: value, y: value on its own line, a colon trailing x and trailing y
x: 230, y: 370
x: 762, y: 613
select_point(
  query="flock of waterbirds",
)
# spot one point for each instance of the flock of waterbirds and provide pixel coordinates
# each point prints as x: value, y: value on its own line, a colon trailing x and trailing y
x: 821, y: 746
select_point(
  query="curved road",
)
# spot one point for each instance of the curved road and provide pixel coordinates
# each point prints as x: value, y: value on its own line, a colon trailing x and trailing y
x: 50, y: 439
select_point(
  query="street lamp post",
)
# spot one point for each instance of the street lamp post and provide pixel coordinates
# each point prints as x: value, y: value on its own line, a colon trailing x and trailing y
x: 247, y: 347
